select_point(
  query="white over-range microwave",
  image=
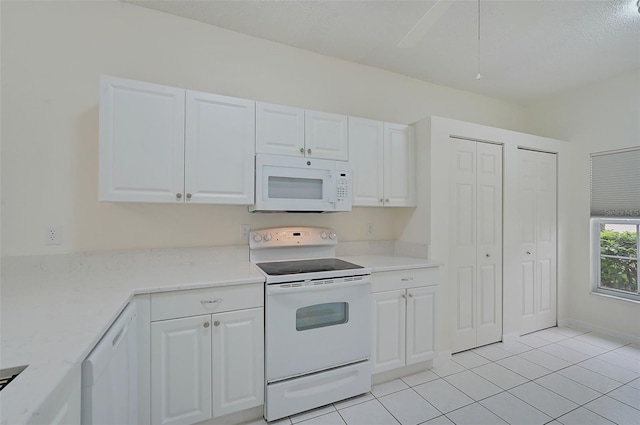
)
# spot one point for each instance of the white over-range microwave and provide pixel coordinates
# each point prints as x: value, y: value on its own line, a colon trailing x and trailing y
x: 287, y: 183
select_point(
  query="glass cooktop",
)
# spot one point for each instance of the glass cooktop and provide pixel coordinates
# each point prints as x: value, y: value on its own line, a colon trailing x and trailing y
x: 281, y: 268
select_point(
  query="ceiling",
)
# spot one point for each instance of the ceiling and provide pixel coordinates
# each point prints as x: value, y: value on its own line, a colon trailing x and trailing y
x: 528, y: 49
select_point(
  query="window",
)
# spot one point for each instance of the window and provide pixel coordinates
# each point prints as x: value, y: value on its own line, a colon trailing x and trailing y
x: 617, y: 258
x: 615, y: 214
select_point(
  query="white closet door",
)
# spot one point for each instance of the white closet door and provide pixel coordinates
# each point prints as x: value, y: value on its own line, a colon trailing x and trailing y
x: 537, y: 196
x: 463, y: 244
x: 489, y: 246
x: 476, y: 246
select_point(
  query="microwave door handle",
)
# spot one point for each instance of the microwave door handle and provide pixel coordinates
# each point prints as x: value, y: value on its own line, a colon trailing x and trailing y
x: 332, y: 188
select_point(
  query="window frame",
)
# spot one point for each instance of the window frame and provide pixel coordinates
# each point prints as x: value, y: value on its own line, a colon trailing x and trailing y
x: 596, y: 258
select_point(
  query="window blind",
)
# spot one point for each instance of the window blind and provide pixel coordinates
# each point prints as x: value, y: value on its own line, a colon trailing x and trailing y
x: 615, y: 183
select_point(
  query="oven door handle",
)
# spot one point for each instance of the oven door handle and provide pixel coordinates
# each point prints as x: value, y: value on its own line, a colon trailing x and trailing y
x: 277, y: 289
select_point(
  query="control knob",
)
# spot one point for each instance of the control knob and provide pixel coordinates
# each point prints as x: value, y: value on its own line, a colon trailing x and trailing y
x: 323, y: 235
x: 332, y: 235
x: 257, y: 237
x: 267, y: 237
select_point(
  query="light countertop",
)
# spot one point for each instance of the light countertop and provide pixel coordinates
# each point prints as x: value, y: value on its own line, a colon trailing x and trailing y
x: 51, y: 321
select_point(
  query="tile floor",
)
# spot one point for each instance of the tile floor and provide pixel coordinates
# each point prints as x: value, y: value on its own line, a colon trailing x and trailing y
x: 554, y: 376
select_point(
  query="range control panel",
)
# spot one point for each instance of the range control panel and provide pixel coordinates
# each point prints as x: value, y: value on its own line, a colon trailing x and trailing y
x: 292, y: 236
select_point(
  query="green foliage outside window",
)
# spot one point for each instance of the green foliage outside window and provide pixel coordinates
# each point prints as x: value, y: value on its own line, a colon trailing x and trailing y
x: 619, y: 273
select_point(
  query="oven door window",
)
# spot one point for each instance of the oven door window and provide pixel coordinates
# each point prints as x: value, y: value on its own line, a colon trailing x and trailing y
x: 321, y: 315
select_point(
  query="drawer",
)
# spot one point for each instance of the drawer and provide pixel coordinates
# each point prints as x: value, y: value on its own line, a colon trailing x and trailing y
x: 194, y: 302
x: 403, y: 279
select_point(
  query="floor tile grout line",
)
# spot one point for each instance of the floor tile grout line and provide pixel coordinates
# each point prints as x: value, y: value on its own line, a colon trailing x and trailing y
x: 617, y: 388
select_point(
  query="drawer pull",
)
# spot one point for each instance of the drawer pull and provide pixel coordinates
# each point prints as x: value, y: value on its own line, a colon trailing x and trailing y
x: 211, y: 301
x: 406, y: 279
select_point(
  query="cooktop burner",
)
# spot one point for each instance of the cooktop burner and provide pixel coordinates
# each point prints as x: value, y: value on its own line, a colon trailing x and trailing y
x: 282, y: 268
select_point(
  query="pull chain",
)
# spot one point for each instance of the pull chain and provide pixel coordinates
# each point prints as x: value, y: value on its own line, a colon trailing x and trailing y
x: 479, y: 76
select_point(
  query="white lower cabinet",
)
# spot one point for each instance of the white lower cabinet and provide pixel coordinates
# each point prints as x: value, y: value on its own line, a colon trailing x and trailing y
x: 209, y: 365
x: 403, y: 319
x: 181, y: 370
x: 63, y: 405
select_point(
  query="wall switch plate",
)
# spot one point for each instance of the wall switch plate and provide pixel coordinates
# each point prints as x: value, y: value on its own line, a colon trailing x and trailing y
x: 244, y: 232
x: 53, y: 235
x: 369, y: 230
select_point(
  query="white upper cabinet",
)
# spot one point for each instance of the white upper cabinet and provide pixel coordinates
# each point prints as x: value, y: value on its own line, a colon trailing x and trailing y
x: 366, y: 150
x: 280, y: 129
x: 399, y: 166
x: 326, y: 136
x: 383, y: 158
x: 141, y: 141
x: 283, y: 130
x: 219, y: 149
x: 155, y: 146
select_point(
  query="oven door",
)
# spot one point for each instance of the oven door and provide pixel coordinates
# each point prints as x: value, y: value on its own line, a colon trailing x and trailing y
x: 314, y: 327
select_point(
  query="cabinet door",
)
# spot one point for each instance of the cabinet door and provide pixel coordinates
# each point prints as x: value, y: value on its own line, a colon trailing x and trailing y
x: 279, y: 129
x: 326, y: 135
x: 421, y: 323
x: 219, y: 149
x: 399, y: 166
x: 366, y: 157
x: 238, y: 360
x: 388, y: 320
x: 141, y: 141
x: 181, y: 370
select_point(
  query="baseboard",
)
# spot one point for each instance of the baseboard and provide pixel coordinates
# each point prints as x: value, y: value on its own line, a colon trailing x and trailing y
x: 242, y: 417
x: 590, y: 327
x: 400, y: 372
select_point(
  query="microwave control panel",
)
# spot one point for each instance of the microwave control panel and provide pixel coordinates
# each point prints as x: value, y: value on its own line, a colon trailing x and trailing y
x: 342, y: 187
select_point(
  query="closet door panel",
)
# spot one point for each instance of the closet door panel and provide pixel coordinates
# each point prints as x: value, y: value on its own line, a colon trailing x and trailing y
x: 489, y: 243
x: 546, y: 240
x: 463, y: 243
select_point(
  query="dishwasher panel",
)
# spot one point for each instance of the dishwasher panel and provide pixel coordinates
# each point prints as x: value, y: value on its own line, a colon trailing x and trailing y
x: 110, y: 374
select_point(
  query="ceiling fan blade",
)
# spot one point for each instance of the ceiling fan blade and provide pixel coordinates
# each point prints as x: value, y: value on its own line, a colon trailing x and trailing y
x: 419, y: 30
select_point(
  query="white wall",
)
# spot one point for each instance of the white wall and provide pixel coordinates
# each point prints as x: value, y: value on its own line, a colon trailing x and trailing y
x: 52, y: 56
x: 601, y: 117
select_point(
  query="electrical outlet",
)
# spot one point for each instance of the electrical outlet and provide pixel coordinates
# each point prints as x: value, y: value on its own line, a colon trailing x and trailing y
x: 244, y: 232
x: 53, y: 235
x: 369, y: 230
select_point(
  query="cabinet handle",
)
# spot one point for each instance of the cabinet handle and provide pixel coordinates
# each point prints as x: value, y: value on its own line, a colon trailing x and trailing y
x: 410, y: 295
x: 309, y: 151
x: 528, y: 253
x: 210, y: 301
x: 386, y: 200
x: 404, y: 296
x: 178, y: 195
x: 488, y: 255
x: 302, y: 151
x: 188, y: 196
x: 216, y: 323
x: 406, y: 279
x: 381, y: 201
x: 206, y: 324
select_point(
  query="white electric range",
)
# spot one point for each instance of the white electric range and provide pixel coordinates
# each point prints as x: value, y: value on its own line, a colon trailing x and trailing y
x: 317, y: 320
